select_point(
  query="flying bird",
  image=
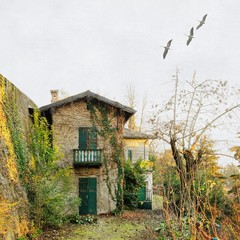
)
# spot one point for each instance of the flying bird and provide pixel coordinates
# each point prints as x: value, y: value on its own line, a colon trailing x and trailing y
x: 167, y: 48
x: 202, y: 21
x: 190, y: 37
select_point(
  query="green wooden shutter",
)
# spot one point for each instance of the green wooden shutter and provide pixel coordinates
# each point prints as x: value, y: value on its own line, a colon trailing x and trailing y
x: 83, y: 135
x: 88, y: 195
x: 87, y: 138
x: 93, y: 138
x: 142, y: 194
x: 92, y: 195
x: 83, y: 194
x: 129, y: 154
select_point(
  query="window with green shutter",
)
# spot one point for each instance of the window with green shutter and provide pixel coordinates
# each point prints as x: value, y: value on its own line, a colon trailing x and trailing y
x: 129, y: 155
x: 87, y: 138
x: 93, y: 138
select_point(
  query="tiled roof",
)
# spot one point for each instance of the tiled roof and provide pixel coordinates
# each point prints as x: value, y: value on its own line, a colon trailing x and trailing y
x: 87, y: 94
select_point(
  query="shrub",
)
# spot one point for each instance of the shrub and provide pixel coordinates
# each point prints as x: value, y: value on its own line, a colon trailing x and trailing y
x: 48, y: 185
x: 133, y: 181
x: 78, y: 219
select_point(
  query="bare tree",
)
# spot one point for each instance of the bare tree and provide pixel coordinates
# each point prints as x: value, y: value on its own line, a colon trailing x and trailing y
x: 143, y: 111
x: 183, y: 123
x: 131, y: 99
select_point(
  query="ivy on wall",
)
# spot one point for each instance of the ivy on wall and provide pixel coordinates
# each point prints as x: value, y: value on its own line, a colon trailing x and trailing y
x: 104, y: 118
x: 6, y: 133
x: 13, y: 214
x: 31, y: 165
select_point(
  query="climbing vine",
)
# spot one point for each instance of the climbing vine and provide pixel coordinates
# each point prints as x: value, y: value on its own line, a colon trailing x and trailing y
x: 30, y: 161
x: 6, y: 134
x: 103, y: 118
x: 15, y: 126
x: 15, y: 204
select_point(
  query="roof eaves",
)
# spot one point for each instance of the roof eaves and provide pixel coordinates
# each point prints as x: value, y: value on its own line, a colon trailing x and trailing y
x: 131, y: 134
x: 87, y: 94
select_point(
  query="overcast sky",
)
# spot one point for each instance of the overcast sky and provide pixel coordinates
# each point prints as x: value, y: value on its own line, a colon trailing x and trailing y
x: 106, y: 45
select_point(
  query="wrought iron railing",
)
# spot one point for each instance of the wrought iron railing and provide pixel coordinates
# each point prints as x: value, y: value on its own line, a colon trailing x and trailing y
x: 88, y: 157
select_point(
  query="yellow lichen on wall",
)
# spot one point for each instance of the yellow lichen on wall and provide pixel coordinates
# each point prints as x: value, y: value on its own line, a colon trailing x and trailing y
x: 13, y: 220
x: 9, y: 223
x: 6, y: 137
x: 6, y: 218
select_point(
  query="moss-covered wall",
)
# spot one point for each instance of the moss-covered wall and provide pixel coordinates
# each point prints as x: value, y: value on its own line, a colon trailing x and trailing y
x: 13, y: 201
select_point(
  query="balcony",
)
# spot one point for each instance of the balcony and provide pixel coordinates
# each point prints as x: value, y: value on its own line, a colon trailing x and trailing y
x: 87, y: 158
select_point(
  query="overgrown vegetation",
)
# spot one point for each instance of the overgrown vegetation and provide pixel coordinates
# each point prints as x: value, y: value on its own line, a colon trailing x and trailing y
x: 133, y: 181
x: 46, y: 183
x: 195, y: 197
x: 13, y: 213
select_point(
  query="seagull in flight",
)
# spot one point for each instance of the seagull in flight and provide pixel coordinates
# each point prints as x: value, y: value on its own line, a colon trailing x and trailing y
x: 202, y: 21
x: 190, y: 37
x: 167, y: 48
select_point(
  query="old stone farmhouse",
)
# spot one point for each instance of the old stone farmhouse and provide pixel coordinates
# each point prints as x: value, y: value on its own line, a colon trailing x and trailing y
x: 76, y: 134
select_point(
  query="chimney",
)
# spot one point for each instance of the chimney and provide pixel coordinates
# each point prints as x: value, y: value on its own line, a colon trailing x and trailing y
x: 54, y: 94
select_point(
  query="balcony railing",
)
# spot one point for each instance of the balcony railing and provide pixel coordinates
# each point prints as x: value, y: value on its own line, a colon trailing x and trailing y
x: 88, y: 157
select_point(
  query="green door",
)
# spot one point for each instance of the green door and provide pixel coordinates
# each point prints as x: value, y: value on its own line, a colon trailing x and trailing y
x: 88, y: 195
x: 142, y: 194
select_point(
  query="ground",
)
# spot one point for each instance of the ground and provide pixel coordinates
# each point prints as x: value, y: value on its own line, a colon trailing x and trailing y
x: 138, y: 224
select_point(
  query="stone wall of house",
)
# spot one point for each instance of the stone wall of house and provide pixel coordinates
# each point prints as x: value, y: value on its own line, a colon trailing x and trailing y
x: 13, y: 201
x: 66, y: 122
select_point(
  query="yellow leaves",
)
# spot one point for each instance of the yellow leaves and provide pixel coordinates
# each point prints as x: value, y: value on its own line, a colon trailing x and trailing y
x: 146, y: 164
x: 236, y: 150
x: 7, y: 221
x: 6, y: 137
x: 10, y: 222
x: 211, y: 183
x: 193, y: 147
x: 32, y: 163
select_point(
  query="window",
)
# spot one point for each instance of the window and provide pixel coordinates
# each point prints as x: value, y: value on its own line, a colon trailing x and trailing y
x: 129, y: 157
x: 87, y: 138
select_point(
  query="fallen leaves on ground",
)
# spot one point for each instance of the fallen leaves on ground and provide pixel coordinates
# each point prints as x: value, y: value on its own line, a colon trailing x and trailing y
x: 138, y: 224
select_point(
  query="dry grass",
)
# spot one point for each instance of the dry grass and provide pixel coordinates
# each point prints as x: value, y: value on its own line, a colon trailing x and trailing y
x: 139, y: 224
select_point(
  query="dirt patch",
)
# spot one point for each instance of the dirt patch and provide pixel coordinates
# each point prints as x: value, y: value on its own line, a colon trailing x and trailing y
x: 132, y: 225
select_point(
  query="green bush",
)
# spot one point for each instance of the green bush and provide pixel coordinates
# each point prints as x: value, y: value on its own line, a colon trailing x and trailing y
x: 133, y: 181
x: 48, y: 185
x: 78, y: 219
